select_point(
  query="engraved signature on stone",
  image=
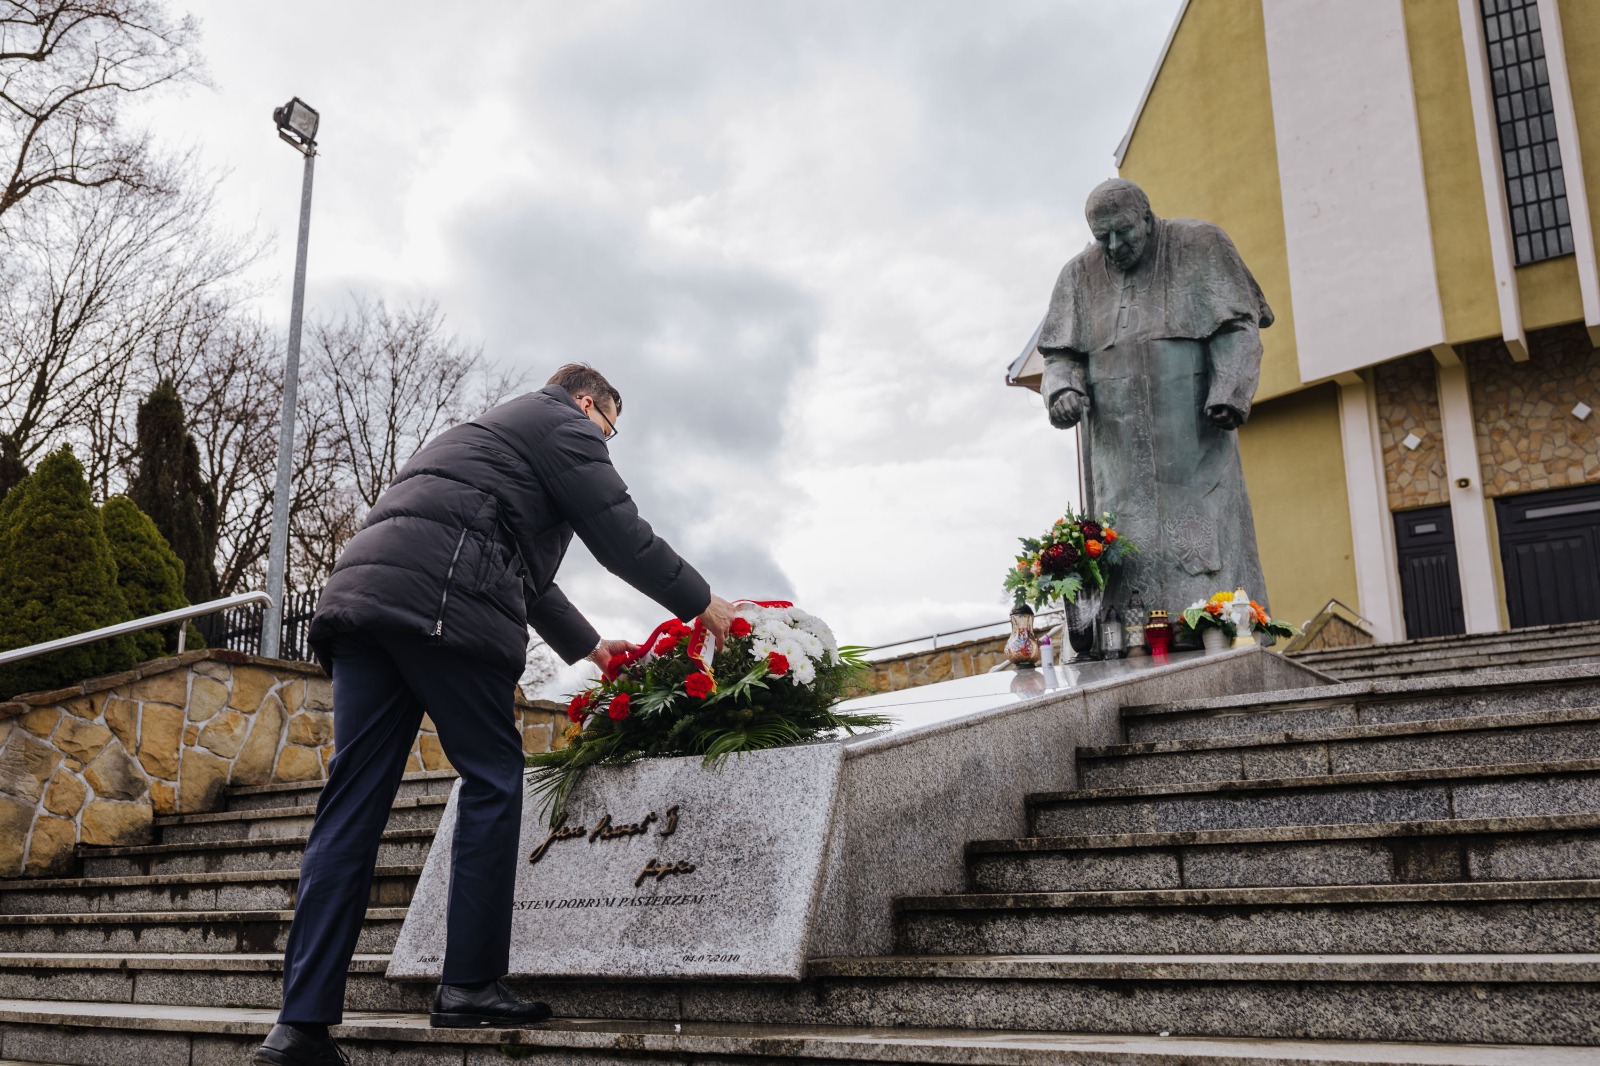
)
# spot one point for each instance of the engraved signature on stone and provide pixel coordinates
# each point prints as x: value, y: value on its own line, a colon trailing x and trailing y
x: 562, y: 831
x: 605, y: 830
x: 662, y: 870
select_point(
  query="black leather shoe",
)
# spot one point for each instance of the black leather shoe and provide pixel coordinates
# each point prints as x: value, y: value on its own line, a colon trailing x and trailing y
x: 290, y: 1047
x: 455, y: 1007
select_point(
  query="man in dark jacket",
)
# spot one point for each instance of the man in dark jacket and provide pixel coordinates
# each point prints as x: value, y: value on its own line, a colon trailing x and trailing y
x: 427, y: 611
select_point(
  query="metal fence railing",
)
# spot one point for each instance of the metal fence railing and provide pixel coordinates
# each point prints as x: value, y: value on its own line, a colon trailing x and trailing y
x: 931, y: 642
x: 200, y: 613
x: 239, y: 628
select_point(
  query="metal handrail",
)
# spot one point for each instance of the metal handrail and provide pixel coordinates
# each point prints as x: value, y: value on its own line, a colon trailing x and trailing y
x: 956, y: 632
x: 182, y: 614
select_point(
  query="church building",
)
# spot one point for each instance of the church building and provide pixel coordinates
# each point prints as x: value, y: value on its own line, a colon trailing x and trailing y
x: 1406, y: 180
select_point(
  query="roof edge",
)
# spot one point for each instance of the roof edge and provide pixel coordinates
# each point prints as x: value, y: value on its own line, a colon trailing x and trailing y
x: 1127, y: 138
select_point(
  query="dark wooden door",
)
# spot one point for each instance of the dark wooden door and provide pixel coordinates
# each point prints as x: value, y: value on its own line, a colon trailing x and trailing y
x: 1550, y: 551
x: 1430, y: 584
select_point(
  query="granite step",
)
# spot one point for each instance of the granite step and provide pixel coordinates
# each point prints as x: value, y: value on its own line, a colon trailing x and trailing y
x: 238, y: 979
x: 1522, y: 737
x: 154, y: 1035
x: 1499, y: 998
x: 399, y: 847
x: 1520, y: 790
x: 1549, y: 848
x: 1424, y: 666
x: 186, y: 893
x: 1559, y: 917
x: 1353, y: 703
x: 1531, y: 640
x: 422, y: 812
x: 304, y: 794
x: 210, y: 932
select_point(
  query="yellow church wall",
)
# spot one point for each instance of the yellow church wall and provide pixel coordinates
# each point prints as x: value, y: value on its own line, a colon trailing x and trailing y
x: 1205, y: 148
x: 1294, y: 470
x: 1456, y: 211
x: 1548, y: 292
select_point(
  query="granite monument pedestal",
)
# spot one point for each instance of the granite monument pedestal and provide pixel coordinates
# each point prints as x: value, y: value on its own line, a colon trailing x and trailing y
x: 664, y: 869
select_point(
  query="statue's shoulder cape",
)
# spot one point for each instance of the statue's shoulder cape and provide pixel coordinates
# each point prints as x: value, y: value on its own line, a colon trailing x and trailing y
x: 1204, y: 286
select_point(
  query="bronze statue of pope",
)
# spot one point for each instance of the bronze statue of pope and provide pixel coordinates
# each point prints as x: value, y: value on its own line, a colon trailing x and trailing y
x: 1152, y: 341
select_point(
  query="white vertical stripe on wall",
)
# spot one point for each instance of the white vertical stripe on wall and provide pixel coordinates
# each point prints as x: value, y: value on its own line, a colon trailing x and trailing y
x: 1355, y: 208
x: 1555, y: 51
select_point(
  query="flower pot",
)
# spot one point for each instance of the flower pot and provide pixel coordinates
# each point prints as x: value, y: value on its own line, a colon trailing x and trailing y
x: 1213, y: 639
x: 1082, y: 614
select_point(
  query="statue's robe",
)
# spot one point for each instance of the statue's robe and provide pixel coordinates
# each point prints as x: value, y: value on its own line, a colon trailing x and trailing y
x: 1152, y: 349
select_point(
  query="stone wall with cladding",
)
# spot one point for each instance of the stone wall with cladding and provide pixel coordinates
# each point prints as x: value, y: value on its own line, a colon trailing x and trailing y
x: 939, y: 664
x: 95, y: 763
x: 1528, y: 438
x: 1407, y: 396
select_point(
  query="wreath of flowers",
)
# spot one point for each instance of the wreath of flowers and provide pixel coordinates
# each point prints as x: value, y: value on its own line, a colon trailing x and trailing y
x: 1075, y: 554
x: 1217, y: 612
x: 775, y: 682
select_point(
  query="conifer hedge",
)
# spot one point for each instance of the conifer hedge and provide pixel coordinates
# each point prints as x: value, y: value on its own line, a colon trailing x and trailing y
x: 57, y: 578
x: 149, y: 572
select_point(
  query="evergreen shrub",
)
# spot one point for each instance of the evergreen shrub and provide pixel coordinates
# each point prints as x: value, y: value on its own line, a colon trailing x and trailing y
x: 149, y: 572
x: 57, y: 578
x: 169, y: 487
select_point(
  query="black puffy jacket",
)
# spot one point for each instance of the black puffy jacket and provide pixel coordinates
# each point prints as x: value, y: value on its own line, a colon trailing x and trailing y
x: 463, y: 547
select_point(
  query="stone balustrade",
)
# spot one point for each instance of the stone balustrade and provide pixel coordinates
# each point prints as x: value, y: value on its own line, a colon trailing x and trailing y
x: 95, y: 763
x: 966, y: 659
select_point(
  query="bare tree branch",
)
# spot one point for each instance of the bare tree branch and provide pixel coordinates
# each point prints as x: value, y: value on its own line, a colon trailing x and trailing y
x: 66, y: 67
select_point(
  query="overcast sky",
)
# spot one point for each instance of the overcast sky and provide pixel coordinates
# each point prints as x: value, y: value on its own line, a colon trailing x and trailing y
x: 803, y: 239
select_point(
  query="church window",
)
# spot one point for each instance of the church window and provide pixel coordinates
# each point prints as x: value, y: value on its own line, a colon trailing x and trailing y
x: 1536, y: 192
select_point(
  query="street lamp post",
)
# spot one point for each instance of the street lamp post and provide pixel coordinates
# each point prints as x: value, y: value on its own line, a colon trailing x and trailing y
x: 297, y: 125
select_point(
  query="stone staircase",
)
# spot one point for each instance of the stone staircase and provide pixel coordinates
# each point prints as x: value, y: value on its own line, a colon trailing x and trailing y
x: 1536, y: 646
x: 1372, y: 872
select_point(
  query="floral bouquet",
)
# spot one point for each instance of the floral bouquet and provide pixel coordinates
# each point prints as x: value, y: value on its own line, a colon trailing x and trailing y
x: 1077, y: 553
x: 1217, y: 612
x: 774, y: 683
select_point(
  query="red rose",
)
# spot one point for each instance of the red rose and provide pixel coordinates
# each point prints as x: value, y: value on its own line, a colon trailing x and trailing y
x: 619, y: 706
x: 665, y: 645
x: 576, y: 708
x: 740, y: 627
x: 777, y: 665
x: 676, y: 628
x: 699, y: 685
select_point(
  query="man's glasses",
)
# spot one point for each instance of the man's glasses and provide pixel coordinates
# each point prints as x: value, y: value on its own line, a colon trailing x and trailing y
x: 611, y: 427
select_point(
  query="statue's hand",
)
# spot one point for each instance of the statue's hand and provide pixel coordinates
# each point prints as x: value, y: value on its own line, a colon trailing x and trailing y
x: 1068, y: 408
x: 1224, y: 417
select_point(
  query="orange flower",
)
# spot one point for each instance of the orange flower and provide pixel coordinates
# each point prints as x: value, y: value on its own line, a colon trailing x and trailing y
x: 1111, y: 536
x: 1262, y: 617
x: 1094, y: 548
x: 1213, y: 607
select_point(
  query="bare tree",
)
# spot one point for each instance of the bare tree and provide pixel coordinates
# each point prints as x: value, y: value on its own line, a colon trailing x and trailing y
x: 396, y: 379
x: 66, y: 68
x: 100, y: 295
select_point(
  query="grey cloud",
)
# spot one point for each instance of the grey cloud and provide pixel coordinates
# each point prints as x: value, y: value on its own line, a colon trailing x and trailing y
x: 703, y: 352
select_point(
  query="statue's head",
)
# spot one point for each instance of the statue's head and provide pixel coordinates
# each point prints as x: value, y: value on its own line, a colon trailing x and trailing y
x: 1119, y: 216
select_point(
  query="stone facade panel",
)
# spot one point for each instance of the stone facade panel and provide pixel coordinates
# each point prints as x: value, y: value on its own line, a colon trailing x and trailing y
x: 1407, y: 400
x: 1528, y: 438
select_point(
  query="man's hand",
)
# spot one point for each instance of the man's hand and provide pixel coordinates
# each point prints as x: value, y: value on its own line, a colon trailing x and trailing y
x: 1068, y: 408
x: 1224, y: 417
x: 717, y: 618
x: 607, y: 650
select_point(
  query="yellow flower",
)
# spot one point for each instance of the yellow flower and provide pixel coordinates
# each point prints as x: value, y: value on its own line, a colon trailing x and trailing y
x: 1221, y: 597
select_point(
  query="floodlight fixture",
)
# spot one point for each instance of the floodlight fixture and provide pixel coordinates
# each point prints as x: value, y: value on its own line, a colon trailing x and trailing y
x: 297, y: 124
